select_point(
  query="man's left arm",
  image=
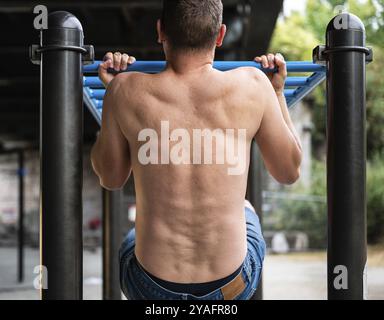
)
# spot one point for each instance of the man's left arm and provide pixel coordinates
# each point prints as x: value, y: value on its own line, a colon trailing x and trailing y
x: 110, y: 155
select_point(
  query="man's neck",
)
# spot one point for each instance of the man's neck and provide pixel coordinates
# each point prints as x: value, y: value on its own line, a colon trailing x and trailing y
x: 188, y: 62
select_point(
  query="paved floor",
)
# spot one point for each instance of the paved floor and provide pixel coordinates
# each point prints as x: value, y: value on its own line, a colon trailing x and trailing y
x: 303, y: 276
x: 295, y: 276
x: 10, y: 289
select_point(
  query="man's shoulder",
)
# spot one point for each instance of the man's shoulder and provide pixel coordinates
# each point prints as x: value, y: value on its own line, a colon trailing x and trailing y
x: 248, y: 74
x: 130, y: 78
x: 128, y: 84
x: 248, y: 78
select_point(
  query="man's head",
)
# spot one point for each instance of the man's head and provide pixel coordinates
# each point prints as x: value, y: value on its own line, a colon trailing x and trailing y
x: 191, y: 25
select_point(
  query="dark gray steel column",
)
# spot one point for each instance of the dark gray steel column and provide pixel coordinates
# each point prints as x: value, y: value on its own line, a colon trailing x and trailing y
x: 255, y: 195
x: 21, y: 174
x: 61, y: 148
x: 112, y: 238
x: 347, y: 254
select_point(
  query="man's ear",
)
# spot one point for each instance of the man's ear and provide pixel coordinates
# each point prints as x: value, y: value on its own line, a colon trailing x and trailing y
x: 160, y: 33
x: 221, y: 36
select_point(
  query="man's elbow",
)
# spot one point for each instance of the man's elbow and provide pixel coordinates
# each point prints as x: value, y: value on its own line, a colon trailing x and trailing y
x: 95, y: 165
x: 294, y: 177
x: 290, y: 177
x: 112, y: 185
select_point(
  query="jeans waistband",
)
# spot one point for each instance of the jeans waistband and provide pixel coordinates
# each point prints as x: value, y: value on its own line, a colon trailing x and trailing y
x: 227, y: 292
x: 197, y: 289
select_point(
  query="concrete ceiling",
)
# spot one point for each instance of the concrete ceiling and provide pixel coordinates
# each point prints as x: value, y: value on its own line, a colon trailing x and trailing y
x: 123, y: 25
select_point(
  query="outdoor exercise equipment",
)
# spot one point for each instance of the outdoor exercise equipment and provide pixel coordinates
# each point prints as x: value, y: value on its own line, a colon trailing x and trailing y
x: 297, y: 87
x: 61, y: 54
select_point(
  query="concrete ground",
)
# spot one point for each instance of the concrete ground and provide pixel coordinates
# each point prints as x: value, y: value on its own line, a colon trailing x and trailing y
x: 302, y: 276
x: 11, y: 290
x: 292, y: 276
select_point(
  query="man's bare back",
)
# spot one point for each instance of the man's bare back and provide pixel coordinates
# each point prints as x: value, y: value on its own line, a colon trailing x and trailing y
x: 190, y: 225
x: 191, y: 222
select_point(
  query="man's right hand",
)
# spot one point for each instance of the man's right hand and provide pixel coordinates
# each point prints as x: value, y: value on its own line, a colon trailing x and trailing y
x: 117, y: 61
x: 271, y: 61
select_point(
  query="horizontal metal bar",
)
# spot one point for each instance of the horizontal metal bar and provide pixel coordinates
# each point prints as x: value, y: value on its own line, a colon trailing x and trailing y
x: 158, y: 66
x: 90, y: 103
x: 289, y: 93
x: 296, y: 81
x: 98, y: 103
x: 316, y: 79
x: 94, y: 90
x: 97, y: 94
x: 95, y: 82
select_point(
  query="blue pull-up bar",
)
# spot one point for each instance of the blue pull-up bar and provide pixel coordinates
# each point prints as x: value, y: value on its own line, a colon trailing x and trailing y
x: 158, y: 66
x: 95, y: 82
x: 297, y: 87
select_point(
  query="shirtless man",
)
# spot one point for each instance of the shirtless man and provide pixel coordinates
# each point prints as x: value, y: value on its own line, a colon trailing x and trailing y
x: 195, y: 236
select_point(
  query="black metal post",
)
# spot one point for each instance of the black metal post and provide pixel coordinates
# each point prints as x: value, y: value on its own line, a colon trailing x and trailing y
x: 21, y: 174
x: 255, y: 195
x: 112, y: 238
x: 61, y: 148
x: 346, y: 56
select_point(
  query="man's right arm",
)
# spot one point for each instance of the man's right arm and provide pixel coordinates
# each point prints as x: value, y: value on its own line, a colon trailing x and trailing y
x: 277, y: 138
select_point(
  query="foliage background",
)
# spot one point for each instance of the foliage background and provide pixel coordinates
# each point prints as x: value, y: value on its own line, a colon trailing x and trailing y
x: 309, y: 31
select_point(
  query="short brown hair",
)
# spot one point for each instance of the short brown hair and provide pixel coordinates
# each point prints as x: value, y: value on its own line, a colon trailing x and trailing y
x: 192, y: 24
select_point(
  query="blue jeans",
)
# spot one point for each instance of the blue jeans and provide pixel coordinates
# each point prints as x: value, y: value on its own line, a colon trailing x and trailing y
x: 137, y: 285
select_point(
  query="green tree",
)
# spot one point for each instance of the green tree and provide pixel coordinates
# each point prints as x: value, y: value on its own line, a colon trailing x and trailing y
x: 309, y: 216
x: 292, y: 39
x: 375, y: 201
x: 296, y: 36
